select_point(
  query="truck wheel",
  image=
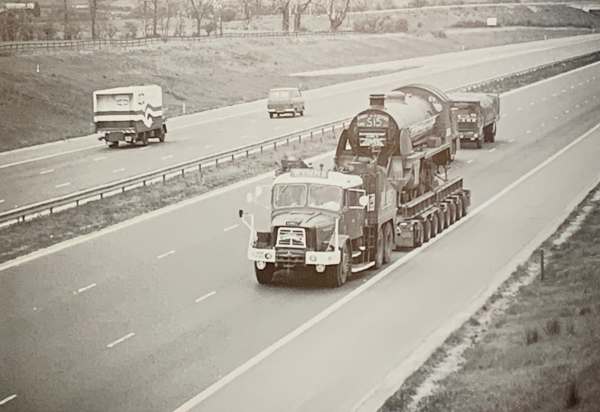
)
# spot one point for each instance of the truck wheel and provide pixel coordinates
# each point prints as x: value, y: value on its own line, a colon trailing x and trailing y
x: 144, y: 139
x: 478, y: 143
x: 434, y: 225
x: 265, y: 276
x: 459, y: 209
x: 270, y: 115
x: 426, y: 231
x: 162, y: 134
x: 442, y: 220
x: 388, y: 242
x: 113, y: 145
x: 379, y: 248
x: 337, y: 275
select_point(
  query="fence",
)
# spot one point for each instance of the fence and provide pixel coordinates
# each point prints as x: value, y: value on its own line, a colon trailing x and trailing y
x: 18, y: 47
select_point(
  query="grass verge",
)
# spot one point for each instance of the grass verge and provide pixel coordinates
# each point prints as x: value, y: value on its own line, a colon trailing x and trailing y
x: 24, y: 238
x: 534, y: 344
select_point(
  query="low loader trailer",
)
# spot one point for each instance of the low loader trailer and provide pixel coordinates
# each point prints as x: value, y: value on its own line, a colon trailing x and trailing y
x: 388, y: 190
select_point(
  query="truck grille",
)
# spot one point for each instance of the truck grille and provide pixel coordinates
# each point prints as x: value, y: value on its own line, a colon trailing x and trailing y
x: 290, y: 257
x: 467, y: 127
x: 291, y: 237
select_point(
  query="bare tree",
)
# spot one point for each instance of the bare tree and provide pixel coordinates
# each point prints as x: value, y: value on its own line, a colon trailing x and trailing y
x: 66, y: 28
x: 199, y: 10
x: 154, y: 18
x: 299, y: 9
x: 283, y: 6
x: 93, y: 12
x: 337, y: 11
x: 246, y: 6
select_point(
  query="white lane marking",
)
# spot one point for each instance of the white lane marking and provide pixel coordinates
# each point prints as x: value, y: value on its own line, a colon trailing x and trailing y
x: 8, y: 399
x: 554, y: 94
x: 585, y: 101
x: 577, y: 106
x: 45, y: 172
x: 99, y: 158
x: 119, y: 170
x: 245, y: 137
x: 120, y: 340
x: 519, y: 109
x: 528, y: 132
x: 555, y: 117
x: 511, y: 141
x: 208, y: 146
x: 572, y: 86
x: 470, y: 161
x: 164, y: 255
x: 563, y: 91
x: 84, y: 289
x: 268, y: 351
x: 493, y: 149
x: 35, y: 159
x: 543, y: 124
x: 544, y: 98
x: 531, y: 103
x: 227, y: 229
x: 208, y: 295
x: 167, y: 157
x: 1, y: 201
x: 566, y: 111
x: 63, y: 185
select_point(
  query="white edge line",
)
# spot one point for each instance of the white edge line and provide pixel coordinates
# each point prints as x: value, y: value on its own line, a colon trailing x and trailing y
x: 558, y: 76
x: 265, y: 353
x: 168, y: 209
x: 208, y: 295
x: 35, y: 159
x: 8, y: 399
x: 227, y: 229
x: 120, y: 340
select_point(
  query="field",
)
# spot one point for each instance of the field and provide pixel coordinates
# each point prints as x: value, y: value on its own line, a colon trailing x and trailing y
x: 534, y: 345
x: 54, y: 103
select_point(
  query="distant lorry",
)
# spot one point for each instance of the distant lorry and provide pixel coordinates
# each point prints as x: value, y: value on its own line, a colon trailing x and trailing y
x: 388, y: 190
x: 129, y: 114
x: 476, y: 116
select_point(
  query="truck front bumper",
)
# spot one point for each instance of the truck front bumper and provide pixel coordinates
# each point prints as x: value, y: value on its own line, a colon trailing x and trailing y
x: 311, y: 258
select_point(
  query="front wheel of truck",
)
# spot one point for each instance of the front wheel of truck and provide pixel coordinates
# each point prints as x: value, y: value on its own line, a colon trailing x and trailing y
x: 337, y: 275
x: 265, y: 276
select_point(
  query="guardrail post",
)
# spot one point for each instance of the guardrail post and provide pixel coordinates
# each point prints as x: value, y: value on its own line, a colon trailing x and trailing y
x: 247, y: 153
x: 333, y: 131
x: 182, y: 172
x: 542, y: 264
x: 299, y: 138
x: 216, y: 162
x: 275, y: 146
x: 200, y: 168
x: 164, y: 178
x: 287, y: 141
x: 261, y: 149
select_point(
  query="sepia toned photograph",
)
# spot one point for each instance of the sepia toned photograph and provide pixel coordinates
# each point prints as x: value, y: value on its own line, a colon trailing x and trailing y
x: 299, y: 206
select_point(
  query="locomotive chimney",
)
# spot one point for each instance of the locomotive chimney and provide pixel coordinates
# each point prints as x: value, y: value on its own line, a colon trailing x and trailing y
x: 377, y: 101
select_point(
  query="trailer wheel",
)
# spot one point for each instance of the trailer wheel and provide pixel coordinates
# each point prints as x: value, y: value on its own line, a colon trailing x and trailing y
x: 426, y: 231
x: 418, y: 234
x: 434, y: 225
x: 388, y: 242
x: 265, y: 276
x: 442, y: 220
x: 379, y: 247
x: 337, y: 275
x: 459, y: 208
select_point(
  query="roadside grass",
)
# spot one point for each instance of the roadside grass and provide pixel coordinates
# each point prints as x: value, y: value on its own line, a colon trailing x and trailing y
x: 23, y: 238
x: 539, y: 353
x: 55, y: 104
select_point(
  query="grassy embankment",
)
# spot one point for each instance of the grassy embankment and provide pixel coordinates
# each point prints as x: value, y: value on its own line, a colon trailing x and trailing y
x: 55, y: 103
x: 534, y: 345
x: 20, y: 239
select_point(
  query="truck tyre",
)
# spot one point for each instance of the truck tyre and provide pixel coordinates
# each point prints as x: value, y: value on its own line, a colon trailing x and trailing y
x: 113, y: 145
x: 418, y: 234
x: 426, y: 231
x: 442, y: 220
x: 479, y: 143
x: 434, y: 225
x: 265, y: 276
x: 379, y: 247
x: 270, y: 115
x: 144, y: 139
x: 337, y: 275
x: 162, y: 134
x: 459, y: 208
x: 388, y: 242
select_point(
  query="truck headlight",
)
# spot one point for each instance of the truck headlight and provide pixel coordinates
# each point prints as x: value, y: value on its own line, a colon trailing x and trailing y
x: 260, y: 265
x: 312, y: 258
x: 268, y: 256
x: 320, y: 268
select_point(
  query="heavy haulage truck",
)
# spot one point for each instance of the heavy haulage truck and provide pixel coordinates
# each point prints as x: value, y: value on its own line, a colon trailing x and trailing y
x: 388, y: 190
x: 129, y: 114
x: 476, y: 116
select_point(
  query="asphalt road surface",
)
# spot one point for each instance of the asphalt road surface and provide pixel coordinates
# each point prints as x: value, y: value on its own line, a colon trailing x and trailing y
x: 163, y: 312
x: 48, y: 171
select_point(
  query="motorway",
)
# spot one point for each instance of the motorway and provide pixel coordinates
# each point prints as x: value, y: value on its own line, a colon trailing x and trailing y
x: 162, y: 313
x: 48, y: 171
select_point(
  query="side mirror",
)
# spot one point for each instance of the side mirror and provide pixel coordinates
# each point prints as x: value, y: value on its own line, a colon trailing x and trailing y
x: 363, y: 200
x: 241, y: 213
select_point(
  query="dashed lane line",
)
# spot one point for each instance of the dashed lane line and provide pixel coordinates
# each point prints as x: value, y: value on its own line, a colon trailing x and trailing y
x: 511, y: 140
x: 45, y: 172
x: 493, y: 149
x: 61, y: 185
x: 470, y: 161
x: 35, y: 159
x: 8, y: 399
x: 99, y: 158
x: 228, y: 228
x: 84, y: 289
x: 120, y: 340
x: 164, y: 255
x: 208, y: 295
x: 119, y: 170
x: 167, y: 157
x: 1, y: 201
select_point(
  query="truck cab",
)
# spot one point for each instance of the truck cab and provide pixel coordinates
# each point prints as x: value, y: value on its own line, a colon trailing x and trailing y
x: 315, y: 214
